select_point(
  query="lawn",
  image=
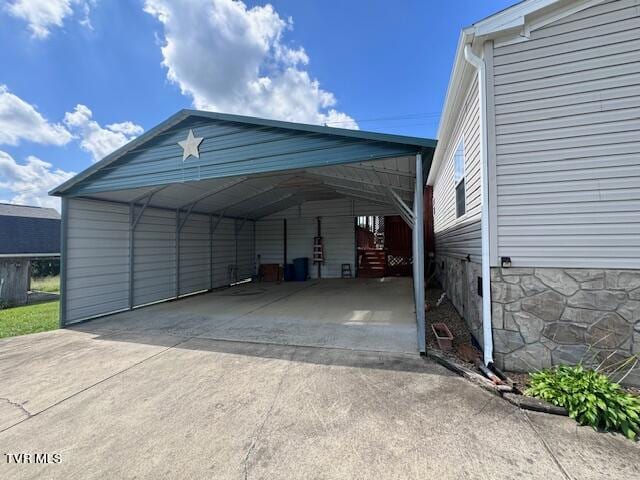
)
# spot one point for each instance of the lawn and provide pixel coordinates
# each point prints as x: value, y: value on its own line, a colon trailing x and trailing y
x: 29, y: 319
x: 46, y: 284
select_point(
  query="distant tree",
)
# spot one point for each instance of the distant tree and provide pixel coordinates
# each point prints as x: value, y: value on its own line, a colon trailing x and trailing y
x: 45, y: 267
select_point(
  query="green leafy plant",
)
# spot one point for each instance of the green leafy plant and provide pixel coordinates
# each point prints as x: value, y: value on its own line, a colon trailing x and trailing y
x: 589, y: 397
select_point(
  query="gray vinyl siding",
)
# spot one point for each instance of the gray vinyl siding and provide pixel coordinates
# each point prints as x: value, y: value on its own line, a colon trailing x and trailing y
x: 97, y: 259
x: 460, y: 237
x: 567, y: 120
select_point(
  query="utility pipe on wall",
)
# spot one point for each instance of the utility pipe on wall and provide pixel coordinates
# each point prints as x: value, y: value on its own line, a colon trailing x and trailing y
x: 418, y: 253
x: 487, y: 336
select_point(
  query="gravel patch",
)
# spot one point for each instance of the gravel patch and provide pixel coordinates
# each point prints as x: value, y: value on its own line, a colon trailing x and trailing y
x: 447, y: 314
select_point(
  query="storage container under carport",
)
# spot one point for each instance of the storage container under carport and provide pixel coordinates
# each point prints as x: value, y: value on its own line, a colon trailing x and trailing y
x: 301, y: 268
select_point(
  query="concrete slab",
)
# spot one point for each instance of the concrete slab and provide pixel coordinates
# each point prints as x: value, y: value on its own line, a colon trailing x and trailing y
x: 360, y: 314
x: 216, y: 409
x: 581, y: 449
x: 39, y: 370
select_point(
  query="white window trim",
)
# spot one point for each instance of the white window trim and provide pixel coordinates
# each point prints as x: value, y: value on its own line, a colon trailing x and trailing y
x: 462, y: 178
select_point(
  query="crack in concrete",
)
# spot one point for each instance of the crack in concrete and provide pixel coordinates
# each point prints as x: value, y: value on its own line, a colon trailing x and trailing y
x: 258, y: 431
x: 546, y: 446
x: 92, y: 385
x: 20, y: 406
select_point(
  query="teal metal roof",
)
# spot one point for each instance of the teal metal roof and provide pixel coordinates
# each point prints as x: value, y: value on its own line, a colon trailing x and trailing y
x: 234, y: 145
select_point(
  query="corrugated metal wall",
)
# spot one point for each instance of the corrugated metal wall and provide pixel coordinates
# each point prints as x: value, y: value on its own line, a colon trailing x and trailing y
x: 269, y: 240
x: 224, y: 253
x: 245, y: 256
x: 567, y: 116
x: 97, y: 260
x: 337, y: 227
x: 338, y: 234
x: 194, y: 254
x: 154, y: 259
x: 98, y: 246
x: 300, y: 233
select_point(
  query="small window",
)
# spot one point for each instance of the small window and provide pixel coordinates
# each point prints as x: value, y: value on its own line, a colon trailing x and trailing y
x: 458, y: 179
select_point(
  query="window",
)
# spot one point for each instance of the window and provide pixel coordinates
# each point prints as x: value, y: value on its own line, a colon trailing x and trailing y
x: 458, y: 178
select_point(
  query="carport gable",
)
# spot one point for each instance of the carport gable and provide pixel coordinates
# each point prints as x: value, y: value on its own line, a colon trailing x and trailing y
x: 233, y: 146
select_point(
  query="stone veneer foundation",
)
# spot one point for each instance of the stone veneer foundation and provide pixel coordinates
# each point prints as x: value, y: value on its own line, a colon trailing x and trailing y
x: 549, y: 316
x: 459, y: 278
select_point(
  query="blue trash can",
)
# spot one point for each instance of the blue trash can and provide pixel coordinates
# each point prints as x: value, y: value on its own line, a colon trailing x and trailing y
x: 301, y: 268
x: 289, y: 272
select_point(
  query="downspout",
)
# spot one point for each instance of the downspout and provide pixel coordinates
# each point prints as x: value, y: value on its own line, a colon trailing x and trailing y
x: 487, y: 335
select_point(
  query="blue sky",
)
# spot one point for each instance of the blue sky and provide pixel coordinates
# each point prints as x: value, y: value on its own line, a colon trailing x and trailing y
x: 81, y: 77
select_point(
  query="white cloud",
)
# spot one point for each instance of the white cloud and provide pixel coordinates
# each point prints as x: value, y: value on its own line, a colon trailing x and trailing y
x: 42, y: 15
x: 127, y: 128
x: 19, y: 120
x: 30, y: 182
x: 96, y: 140
x: 231, y: 58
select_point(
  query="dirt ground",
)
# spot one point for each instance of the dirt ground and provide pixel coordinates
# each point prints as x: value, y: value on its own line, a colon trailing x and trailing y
x: 447, y: 314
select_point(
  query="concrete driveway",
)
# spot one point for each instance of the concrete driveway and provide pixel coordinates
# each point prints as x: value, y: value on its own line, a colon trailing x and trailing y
x: 154, y: 405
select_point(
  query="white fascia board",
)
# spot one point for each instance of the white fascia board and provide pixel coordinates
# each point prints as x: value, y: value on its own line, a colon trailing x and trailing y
x: 512, y: 17
x: 557, y: 14
x: 460, y: 67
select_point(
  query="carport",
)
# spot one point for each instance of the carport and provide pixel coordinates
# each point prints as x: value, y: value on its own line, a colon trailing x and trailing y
x: 201, y: 200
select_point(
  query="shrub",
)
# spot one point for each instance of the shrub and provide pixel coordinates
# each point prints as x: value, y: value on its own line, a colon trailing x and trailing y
x: 45, y: 267
x: 589, y: 397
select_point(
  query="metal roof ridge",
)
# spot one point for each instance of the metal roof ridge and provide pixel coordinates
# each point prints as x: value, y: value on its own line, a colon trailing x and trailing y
x: 307, y: 127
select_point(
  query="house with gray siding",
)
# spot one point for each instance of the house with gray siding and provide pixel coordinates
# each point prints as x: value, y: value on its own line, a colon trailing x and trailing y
x: 536, y: 183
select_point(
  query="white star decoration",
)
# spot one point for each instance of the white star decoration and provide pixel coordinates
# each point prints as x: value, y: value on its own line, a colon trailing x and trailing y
x: 190, y: 146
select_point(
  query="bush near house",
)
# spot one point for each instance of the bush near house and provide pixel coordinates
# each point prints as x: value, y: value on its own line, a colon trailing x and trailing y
x: 590, y: 397
x: 40, y: 317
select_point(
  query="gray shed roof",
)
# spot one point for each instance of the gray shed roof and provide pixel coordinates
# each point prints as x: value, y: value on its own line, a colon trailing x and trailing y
x: 9, y: 209
x: 28, y: 231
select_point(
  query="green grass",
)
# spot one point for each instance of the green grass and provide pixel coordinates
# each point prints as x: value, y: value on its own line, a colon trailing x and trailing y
x: 46, y: 284
x: 40, y: 317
